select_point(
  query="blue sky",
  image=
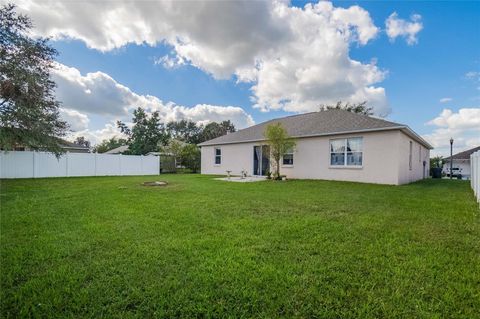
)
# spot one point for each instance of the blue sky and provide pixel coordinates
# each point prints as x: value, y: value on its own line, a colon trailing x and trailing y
x: 411, y: 77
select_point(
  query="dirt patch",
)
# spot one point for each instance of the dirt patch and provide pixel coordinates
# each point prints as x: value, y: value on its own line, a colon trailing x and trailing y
x: 156, y: 183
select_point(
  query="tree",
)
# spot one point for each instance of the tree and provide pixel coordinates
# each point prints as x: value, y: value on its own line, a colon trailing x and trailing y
x: 436, y: 162
x: 175, y: 148
x: 186, y: 131
x: 359, y: 108
x: 109, y: 144
x: 147, y: 134
x: 213, y: 130
x: 80, y: 140
x: 190, y: 156
x: 280, y: 142
x: 29, y: 112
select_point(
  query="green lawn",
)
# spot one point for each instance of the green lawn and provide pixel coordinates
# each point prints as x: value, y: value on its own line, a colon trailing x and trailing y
x: 108, y: 247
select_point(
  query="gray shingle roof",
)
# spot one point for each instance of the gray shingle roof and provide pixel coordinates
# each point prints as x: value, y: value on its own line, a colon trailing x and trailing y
x: 329, y: 122
x: 465, y: 154
x: 118, y: 150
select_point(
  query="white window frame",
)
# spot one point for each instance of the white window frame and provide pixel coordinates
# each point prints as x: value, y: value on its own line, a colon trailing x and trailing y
x: 215, y: 156
x: 345, y: 152
x: 288, y: 152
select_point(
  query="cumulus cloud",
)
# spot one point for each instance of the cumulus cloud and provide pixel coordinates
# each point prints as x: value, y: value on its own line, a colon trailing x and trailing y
x: 77, y: 121
x: 295, y: 58
x: 397, y: 27
x: 446, y: 100
x: 95, y: 136
x: 463, y: 126
x: 95, y: 93
x: 99, y: 94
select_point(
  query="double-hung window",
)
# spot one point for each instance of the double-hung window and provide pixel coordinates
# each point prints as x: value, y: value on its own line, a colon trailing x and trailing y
x: 288, y: 157
x: 346, y: 152
x: 218, y: 156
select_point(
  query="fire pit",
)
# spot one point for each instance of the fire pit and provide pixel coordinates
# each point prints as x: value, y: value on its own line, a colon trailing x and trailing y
x: 156, y: 183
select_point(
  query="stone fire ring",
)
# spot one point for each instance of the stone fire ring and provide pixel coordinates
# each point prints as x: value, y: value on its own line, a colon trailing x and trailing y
x: 156, y: 183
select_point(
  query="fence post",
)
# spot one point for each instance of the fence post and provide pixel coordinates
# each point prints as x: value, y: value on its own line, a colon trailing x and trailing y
x: 66, y: 163
x: 34, y: 164
x: 95, y: 164
x: 475, y: 174
x: 120, y: 163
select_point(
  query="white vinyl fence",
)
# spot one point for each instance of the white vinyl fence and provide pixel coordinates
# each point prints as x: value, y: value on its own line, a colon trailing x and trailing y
x: 41, y: 164
x: 475, y: 173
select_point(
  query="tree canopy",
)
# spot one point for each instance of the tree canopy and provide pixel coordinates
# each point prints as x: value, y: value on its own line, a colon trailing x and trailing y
x: 82, y: 141
x: 29, y: 111
x: 359, y: 108
x: 185, y: 131
x: 109, y: 144
x: 147, y: 134
x: 213, y: 130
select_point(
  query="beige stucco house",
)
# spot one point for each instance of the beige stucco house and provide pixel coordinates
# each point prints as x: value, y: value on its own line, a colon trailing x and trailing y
x: 331, y: 145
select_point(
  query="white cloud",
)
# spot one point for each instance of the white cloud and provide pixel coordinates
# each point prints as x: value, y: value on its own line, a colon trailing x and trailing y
x: 463, y: 126
x: 295, y: 58
x: 77, y: 121
x: 170, y: 62
x: 473, y: 75
x: 95, y: 93
x: 397, y: 27
x: 446, y: 100
x: 96, y: 136
x: 99, y: 94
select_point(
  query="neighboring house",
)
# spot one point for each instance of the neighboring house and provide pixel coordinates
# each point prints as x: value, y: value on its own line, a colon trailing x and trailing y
x: 74, y: 148
x: 331, y: 145
x: 461, y: 163
x: 65, y: 145
x: 118, y: 150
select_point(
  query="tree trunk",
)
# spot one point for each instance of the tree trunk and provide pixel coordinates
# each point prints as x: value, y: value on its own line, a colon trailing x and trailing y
x: 278, y: 168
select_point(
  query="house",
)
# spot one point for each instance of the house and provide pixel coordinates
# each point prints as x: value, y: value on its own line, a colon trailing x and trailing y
x: 332, y: 145
x: 73, y: 147
x: 65, y: 145
x: 461, y: 163
x: 118, y: 150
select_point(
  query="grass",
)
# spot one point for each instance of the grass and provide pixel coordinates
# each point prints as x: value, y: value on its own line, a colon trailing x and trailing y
x: 108, y: 247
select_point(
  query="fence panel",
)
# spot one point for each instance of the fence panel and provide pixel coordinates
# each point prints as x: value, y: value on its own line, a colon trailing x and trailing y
x: 131, y: 165
x: 150, y: 164
x: 40, y: 164
x: 80, y: 164
x: 475, y: 174
x: 108, y: 165
x: 48, y: 165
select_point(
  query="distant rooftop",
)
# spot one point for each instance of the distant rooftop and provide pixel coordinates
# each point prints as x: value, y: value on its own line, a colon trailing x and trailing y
x: 118, y: 150
x: 465, y: 154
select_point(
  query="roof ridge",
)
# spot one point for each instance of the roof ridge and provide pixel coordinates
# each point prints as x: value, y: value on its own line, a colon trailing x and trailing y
x: 311, y: 124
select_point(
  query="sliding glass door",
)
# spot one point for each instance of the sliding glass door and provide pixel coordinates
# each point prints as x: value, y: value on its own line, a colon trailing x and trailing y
x: 261, y: 161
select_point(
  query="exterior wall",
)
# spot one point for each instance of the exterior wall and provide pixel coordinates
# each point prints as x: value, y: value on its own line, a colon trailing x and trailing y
x: 385, y: 159
x: 419, y: 154
x: 312, y: 159
x: 235, y: 158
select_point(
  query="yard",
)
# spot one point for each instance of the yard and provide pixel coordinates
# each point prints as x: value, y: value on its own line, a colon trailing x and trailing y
x: 108, y: 247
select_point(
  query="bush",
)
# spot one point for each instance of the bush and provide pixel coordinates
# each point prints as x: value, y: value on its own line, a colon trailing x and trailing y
x: 190, y: 156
